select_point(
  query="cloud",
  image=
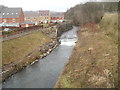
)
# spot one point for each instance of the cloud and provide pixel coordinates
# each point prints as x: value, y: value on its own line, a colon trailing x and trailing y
x: 54, y: 5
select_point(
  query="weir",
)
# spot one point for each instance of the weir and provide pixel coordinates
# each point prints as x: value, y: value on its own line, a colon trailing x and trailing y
x: 45, y: 73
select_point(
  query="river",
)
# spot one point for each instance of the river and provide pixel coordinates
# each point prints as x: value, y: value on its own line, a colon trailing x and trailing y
x: 45, y: 72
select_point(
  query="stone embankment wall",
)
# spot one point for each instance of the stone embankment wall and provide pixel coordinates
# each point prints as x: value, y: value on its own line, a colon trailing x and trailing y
x: 37, y: 54
x: 30, y: 59
x: 63, y: 28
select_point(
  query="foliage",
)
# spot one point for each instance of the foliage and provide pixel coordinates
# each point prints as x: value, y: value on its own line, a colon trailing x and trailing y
x: 90, y: 12
x: 110, y: 6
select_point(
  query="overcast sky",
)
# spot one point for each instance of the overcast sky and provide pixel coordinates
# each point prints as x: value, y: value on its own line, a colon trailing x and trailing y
x: 53, y: 5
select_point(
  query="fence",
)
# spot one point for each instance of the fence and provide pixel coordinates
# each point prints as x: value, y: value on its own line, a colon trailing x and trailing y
x: 18, y: 30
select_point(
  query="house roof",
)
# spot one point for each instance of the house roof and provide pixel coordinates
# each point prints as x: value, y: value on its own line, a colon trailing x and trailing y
x: 44, y: 12
x: 57, y: 14
x: 31, y: 13
x: 6, y: 12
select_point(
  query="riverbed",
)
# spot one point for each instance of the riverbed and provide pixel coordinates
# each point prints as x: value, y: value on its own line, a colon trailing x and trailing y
x: 45, y: 72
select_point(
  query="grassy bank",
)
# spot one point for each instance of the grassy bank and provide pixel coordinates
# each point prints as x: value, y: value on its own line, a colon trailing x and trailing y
x: 16, y: 49
x: 94, y: 61
x: 109, y: 24
x: 19, y: 52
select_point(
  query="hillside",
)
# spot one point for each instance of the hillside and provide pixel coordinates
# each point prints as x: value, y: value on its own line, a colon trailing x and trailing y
x: 90, y: 12
x: 94, y: 60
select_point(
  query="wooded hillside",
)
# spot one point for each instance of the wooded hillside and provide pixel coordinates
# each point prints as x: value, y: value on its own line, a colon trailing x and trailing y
x: 90, y: 12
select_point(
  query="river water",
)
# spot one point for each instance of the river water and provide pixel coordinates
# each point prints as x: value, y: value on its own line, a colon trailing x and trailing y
x: 45, y: 72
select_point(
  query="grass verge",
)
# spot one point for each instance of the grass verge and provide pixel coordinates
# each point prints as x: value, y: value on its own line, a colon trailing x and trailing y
x: 94, y: 60
x: 16, y: 49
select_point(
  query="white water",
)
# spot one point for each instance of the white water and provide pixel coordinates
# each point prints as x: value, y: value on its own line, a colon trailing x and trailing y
x: 68, y: 42
x: 45, y: 73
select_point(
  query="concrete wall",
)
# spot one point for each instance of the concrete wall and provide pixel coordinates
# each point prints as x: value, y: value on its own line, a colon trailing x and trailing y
x: 63, y: 28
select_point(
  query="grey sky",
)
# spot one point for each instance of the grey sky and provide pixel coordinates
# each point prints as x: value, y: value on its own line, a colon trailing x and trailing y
x: 53, y: 5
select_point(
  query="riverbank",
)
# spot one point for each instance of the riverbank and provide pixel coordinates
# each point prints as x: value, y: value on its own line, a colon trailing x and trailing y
x: 45, y: 72
x: 23, y: 51
x: 20, y: 52
x: 94, y: 61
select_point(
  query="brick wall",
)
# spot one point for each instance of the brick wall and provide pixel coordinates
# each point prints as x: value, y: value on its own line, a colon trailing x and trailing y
x: 9, y: 20
x: 21, y: 17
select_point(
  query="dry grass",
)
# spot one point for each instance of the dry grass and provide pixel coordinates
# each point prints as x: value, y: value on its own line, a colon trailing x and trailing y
x: 0, y: 54
x: 94, y: 61
x: 16, y: 49
x: 109, y: 23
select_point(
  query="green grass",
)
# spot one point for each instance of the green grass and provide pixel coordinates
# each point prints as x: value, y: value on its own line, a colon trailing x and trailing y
x: 44, y: 25
x: 65, y: 83
x: 16, y: 49
x: 8, y: 32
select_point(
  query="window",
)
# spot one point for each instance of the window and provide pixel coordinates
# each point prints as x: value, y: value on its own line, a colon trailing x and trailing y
x: 16, y: 13
x: 12, y: 13
x: 13, y: 20
x: 4, y: 20
x: 7, y: 13
x: 3, y: 13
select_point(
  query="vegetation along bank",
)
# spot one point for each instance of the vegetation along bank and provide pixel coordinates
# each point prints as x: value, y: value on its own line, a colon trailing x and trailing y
x: 94, y: 60
x: 19, y: 52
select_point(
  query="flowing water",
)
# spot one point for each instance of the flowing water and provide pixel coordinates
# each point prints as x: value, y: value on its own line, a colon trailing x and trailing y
x: 45, y: 72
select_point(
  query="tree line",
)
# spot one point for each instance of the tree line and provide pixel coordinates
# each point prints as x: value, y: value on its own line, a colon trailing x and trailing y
x: 90, y: 12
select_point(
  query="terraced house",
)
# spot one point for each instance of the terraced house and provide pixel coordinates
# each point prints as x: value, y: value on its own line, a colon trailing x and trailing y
x: 11, y: 16
x: 31, y: 16
x: 57, y: 17
x: 44, y: 16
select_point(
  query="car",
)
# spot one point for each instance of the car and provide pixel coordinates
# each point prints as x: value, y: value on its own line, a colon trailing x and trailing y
x: 7, y: 29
